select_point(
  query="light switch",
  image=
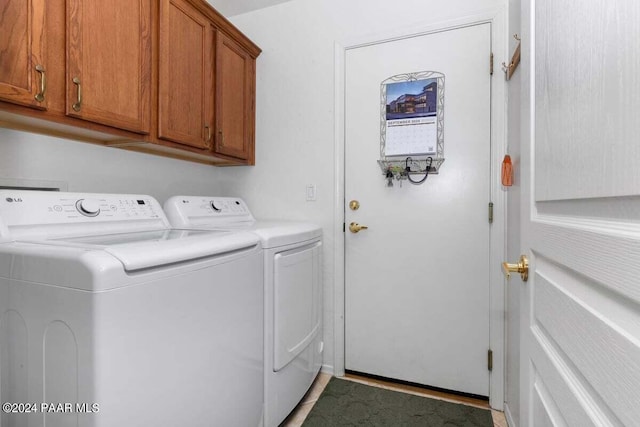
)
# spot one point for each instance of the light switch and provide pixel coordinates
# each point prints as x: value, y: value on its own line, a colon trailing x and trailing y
x: 311, y: 192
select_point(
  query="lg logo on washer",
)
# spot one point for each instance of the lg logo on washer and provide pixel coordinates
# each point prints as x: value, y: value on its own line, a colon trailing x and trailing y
x: 13, y: 199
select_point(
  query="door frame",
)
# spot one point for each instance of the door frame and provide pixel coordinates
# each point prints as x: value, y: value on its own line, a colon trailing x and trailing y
x: 497, y: 18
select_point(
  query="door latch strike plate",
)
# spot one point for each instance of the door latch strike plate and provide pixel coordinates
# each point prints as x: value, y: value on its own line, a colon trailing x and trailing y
x: 490, y: 360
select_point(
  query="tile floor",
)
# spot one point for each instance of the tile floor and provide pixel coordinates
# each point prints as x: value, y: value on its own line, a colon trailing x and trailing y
x: 300, y: 413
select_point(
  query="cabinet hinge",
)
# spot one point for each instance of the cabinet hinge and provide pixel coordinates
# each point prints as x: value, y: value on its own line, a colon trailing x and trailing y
x: 490, y: 360
x: 490, y: 212
x: 491, y: 64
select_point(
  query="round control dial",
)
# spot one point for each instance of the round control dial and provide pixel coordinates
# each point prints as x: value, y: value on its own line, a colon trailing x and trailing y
x: 88, y: 207
x: 216, y: 208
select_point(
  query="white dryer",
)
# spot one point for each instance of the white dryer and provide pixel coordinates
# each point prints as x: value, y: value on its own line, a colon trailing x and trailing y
x: 293, y: 293
x: 126, y: 322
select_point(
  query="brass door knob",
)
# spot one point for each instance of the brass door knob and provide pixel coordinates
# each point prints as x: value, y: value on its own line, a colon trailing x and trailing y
x: 521, y: 267
x: 354, y: 227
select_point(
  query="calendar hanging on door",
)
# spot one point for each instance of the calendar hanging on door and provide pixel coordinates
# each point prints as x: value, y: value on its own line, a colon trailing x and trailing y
x: 412, y: 124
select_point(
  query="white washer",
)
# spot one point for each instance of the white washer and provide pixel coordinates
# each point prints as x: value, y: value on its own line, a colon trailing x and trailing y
x: 293, y: 293
x: 101, y: 302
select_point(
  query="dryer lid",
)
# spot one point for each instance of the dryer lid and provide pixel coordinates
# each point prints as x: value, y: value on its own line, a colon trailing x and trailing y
x: 281, y: 233
x: 232, y: 213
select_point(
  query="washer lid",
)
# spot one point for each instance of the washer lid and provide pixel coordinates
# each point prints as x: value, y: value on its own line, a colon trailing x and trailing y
x: 147, y: 249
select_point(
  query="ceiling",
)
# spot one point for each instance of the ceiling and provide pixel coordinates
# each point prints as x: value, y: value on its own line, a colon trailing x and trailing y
x: 236, y: 7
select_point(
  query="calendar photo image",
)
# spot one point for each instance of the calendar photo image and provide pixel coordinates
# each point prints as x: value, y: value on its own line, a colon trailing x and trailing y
x: 411, y: 124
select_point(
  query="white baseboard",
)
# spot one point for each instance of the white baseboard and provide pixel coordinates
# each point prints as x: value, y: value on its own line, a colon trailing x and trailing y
x: 327, y: 369
x: 508, y: 416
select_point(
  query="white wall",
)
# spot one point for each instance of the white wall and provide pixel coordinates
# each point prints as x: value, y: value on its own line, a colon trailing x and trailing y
x: 295, y: 105
x: 87, y: 167
x: 512, y: 374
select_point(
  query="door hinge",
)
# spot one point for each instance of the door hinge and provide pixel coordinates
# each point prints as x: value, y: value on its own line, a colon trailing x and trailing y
x: 491, y: 64
x: 344, y: 227
x: 490, y: 360
x: 490, y: 212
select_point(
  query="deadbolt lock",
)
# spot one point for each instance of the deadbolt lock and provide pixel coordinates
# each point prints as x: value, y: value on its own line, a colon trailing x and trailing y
x: 354, y: 205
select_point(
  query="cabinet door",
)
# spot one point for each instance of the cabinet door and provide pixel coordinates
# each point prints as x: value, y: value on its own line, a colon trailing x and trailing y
x: 22, y: 62
x: 109, y: 62
x: 235, y: 100
x: 185, y: 104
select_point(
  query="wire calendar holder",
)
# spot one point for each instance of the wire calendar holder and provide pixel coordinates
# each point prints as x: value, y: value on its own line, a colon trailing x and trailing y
x: 400, y: 166
x: 418, y: 165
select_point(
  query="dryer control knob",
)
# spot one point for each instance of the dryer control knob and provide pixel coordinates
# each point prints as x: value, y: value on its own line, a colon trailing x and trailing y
x: 88, y: 207
x: 215, y: 208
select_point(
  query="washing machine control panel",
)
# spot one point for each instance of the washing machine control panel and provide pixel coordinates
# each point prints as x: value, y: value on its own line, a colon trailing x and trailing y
x: 110, y: 208
x: 27, y: 208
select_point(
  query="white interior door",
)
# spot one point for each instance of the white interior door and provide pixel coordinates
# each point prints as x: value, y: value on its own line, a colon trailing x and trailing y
x: 417, y: 280
x: 581, y: 213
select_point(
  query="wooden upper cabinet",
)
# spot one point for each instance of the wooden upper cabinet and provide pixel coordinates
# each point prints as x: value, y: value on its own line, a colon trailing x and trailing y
x: 170, y: 77
x: 22, y: 60
x: 108, y: 76
x: 235, y: 92
x: 185, y: 98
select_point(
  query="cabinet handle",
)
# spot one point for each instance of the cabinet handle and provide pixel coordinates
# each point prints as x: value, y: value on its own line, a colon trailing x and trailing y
x: 76, y: 106
x: 208, y: 128
x: 220, y: 138
x: 43, y: 83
